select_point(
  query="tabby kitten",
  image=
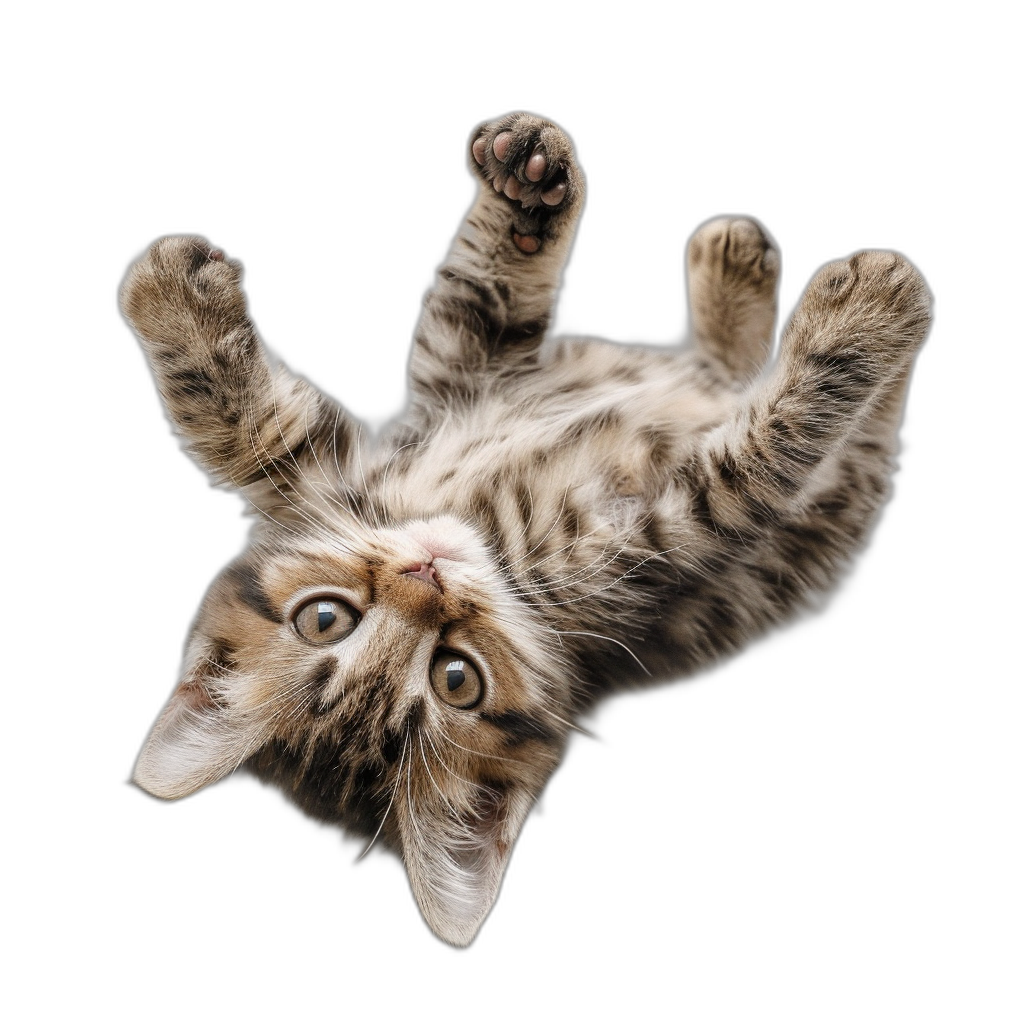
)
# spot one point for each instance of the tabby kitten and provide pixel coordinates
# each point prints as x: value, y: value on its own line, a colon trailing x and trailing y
x: 419, y: 619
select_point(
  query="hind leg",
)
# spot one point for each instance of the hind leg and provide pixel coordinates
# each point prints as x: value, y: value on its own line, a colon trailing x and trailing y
x: 733, y: 271
x: 837, y: 386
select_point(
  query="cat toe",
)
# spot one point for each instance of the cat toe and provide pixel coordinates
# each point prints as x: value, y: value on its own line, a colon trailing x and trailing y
x: 530, y: 162
x: 875, y: 284
x: 734, y: 247
x: 874, y: 306
x: 180, y: 280
x: 186, y: 256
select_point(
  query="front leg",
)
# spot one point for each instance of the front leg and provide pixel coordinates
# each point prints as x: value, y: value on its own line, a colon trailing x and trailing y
x: 251, y: 425
x: 494, y: 294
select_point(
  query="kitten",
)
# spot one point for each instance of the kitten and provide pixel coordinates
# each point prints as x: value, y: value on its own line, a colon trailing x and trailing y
x: 419, y: 620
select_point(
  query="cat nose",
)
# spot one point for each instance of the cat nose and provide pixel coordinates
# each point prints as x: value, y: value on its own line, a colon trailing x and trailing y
x: 424, y: 571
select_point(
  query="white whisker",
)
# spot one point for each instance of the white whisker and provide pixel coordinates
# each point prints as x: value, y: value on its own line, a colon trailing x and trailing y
x: 601, y: 636
x: 394, y: 791
x: 430, y: 775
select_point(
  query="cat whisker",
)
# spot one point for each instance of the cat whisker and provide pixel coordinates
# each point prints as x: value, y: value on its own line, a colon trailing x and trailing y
x: 329, y: 496
x: 584, y: 573
x: 580, y: 575
x: 291, y: 497
x: 253, y: 437
x: 309, y: 698
x: 482, y: 787
x: 607, y: 586
x: 567, y: 550
x: 301, y: 475
x: 601, y: 636
x: 477, y: 753
x: 570, y: 725
x: 412, y: 809
x: 394, y: 793
x: 554, y: 522
x: 371, y: 508
x: 430, y: 775
x: 391, y: 460
x: 327, y: 489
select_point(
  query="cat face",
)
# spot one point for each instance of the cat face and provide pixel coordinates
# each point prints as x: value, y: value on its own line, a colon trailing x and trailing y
x: 389, y: 680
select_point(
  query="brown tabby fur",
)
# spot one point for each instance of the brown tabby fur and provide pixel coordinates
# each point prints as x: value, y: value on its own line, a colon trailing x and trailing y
x: 570, y: 516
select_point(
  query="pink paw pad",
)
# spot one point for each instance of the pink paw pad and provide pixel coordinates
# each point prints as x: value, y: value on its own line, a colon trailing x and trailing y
x: 536, y: 165
x: 501, y: 144
x: 526, y: 243
x: 554, y: 195
x: 511, y: 183
x: 530, y: 165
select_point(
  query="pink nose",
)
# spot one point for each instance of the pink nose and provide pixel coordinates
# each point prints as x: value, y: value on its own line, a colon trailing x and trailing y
x: 426, y: 572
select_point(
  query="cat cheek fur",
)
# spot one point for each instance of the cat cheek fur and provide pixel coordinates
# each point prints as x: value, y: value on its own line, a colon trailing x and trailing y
x: 570, y: 516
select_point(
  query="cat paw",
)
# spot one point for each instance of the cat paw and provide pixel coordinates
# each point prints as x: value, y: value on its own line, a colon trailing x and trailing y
x: 732, y: 274
x: 873, y: 304
x: 183, y: 287
x: 530, y: 162
x: 734, y: 250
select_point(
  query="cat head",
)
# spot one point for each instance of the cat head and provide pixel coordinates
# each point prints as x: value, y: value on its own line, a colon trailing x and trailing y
x: 389, y: 680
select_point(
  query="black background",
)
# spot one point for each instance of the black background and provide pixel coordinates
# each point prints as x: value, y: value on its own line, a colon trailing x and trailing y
x: 782, y: 811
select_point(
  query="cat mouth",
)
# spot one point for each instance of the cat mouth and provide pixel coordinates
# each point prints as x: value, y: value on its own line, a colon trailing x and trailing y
x: 426, y: 572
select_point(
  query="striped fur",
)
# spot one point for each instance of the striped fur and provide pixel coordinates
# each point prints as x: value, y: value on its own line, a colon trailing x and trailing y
x: 564, y: 517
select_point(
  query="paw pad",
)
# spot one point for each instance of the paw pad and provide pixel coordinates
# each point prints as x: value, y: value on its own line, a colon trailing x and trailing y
x: 519, y: 164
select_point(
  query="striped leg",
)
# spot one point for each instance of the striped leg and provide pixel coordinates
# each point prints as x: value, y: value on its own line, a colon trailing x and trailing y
x: 494, y: 294
x: 733, y: 273
x: 843, y: 363
x: 250, y: 425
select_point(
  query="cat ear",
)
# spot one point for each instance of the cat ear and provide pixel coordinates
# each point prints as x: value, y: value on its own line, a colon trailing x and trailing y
x: 197, y: 739
x: 456, y: 862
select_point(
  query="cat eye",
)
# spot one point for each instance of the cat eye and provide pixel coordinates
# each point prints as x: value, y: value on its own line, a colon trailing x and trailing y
x: 325, y: 620
x: 456, y: 680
